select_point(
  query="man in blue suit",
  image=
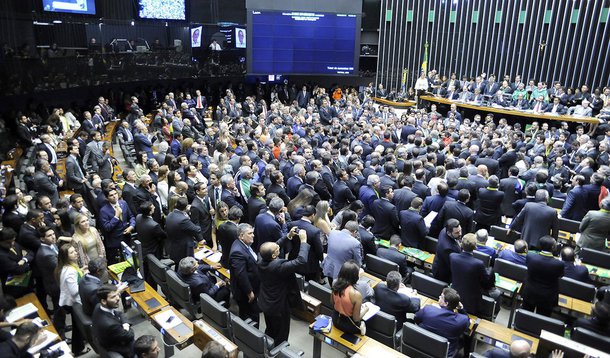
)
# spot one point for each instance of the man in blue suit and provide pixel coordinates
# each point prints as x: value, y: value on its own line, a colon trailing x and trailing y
x: 393, y: 302
x: 413, y: 229
x: 482, y: 237
x: 392, y: 254
x: 182, y: 232
x: 201, y: 280
x: 311, y: 271
x: 571, y: 269
x: 385, y: 214
x: 245, y: 281
x: 518, y: 255
x: 448, y: 242
x: 369, y: 193
x: 448, y: 319
x: 296, y: 180
x: 142, y: 143
x: 436, y: 202
x: 270, y: 225
x: 118, y: 222
x: 518, y: 349
x: 575, y: 206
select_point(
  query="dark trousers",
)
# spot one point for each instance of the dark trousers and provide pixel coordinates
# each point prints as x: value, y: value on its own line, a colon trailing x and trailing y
x: 543, y: 309
x: 249, y: 310
x: 78, y: 341
x: 278, y: 326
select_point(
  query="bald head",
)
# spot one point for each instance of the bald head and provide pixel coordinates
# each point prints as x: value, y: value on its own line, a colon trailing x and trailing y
x: 269, y: 251
x: 520, y: 349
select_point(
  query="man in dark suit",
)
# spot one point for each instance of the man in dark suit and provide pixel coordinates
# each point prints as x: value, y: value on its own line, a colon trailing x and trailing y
x: 14, y: 261
x: 448, y: 242
x: 385, y: 214
x: 277, y: 186
x: 316, y: 252
x: 367, y: 239
x: 574, y: 207
x: 117, y: 222
x: 90, y: 284
x: 392, y: 254
x: 541, y: 287
x: 489, y: 205
x: 202, y: 211
x: 519, y: 348
x: 229, y: 192
x: 530, y: 197
x: 493, y: 166
x: 507, y: 160
x: 29, y: 236
x: 109, y: 325
x: 245, y: 281
x: 404, y: 196
x: 303, y: 97
x: 511, y: 187
x: 419, y: 187
x: 444, y: 320
x: 43, y: 181
x: 413, y: 229
x: 227, y: 234
x: 458, y: 210
x: 201, y: 280
x: 270, y: 225
x: 536, y: 220
x: 125, y: 133
x: 93, y: 153
x: 130, y: 190
x: 436, y: 202
x: 517, y: 256
x: 393, y: 302
x: 556, y: 107
x: 572, y: 269
x: 150, y: 234
x: 469, y: 277
x: 45, y: 263
x: 256, y: 202
x: 24, y: 135
x: 279, y: 291
x: 342, y: 194
x: 183, y: 233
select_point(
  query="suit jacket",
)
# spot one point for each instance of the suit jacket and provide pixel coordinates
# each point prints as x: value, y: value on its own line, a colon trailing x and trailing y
x: 534, y: 221
x: 342, y: 195
x: 266, y: 228
x: 244, y: 271
x: 577, y: 272
x: 45, y: 186
x: 453, y: 210
x: 512, y: 256
x: 386, y: 219
x: 441, y: 266
x: 150, y: 234
x: 143, y: 144
x: 279, y: 290
x: 255, y: 207
x: 468, y: 276
x: 367, y: 195
x: 342, y: 247
x: 292, y: 186
x: 413, y: 229
x: 184, y: 234
x: 13, y: 219
x: 201, y: 281
x: 93, y: 156
x: 402, y: 198
x: 393, y: 255
x: 46, y: 261
x: 29, y: 238
x: 367, y: 239
x: 110, y: 332
x: 280, y: 191
x: 489, y: 208
x: 575, y: 206
x: 316, y: 250
x: 225, y: 236
x: 87, y: 290
x: 492, y: 165
x: 594, y: 229
x: 445, y: 323
x: 200, y: 215
x: 509, y: 187
x: 541, y: 286
x: 112, y: 226
x: 395, y: 303
x: 421, y: 189
x: 74, y: 174
x: 433, y: 203
x: 230, y: 199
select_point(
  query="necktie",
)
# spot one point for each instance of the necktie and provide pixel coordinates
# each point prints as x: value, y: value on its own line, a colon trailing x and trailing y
x: 54, y: 247
x: 218, y: 195
x: 199, y: 105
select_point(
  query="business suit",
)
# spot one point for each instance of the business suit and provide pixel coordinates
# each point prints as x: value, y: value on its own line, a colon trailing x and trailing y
x: 184, y: 234
x: 534, y: 221
x: 576, y: 272
x: 445, y: 323
x: 28, y: 237
x: 230, y: 199
x: 367, y: 239
x: 386, y: 219
x: 413, y: 229
x: 9, y: 266
x: 45, y: 263
x: 13, y: 219
x: 225, y: 235
x: 512, y: 256
x: 468, y: 276
x: 255, y: 207
x: 402, y: 198
x: 214, y: 196
x: 74, y: 175
x: 143, y: 144
x: 280, y: 191
x: 395, y: 303
x: 267, y: 228
x: 574, y: 207
x: 202, y: 281
x: 342, y: 247
x: 108, y: 328
x: 489, y: 208
x: 421, y: 189
x: 453, y: 210
x: 150, y: 234
x: 392, y: 254
x: 541, y: 287
x: 441, y: 266
x: 87, y: 290
x: 594, y: 229
x: 511, y: 187
x: 292, y: 186
x: 279, y: 292
x: 200, y: 215
x: 93, y: 156
x: 434, y: 203
x: 342, y: 195
x: 244, y: 279
x: 316, y: 250
x: 367, y: 195
x: 45, y: 186
x: 112, y: 226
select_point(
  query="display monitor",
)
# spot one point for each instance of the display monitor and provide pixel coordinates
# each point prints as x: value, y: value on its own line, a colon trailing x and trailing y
x: 162, y: 9
x: 129, y: 255
x: 86, y: 7
x: 196, y: 33
x: 302, y: 42
x: 240, y: 37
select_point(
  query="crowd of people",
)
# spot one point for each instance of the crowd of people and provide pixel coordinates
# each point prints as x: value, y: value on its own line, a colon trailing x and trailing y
x: 306, y: 185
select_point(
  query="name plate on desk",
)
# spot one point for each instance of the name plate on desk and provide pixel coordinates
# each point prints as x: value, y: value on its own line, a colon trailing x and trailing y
x: 203, y: 333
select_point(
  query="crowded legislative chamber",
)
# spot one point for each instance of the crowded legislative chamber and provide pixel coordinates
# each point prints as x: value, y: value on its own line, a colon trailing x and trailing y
x: 340, y: 178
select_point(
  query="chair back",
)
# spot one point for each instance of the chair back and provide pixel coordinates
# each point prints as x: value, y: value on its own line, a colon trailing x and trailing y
x: 382, y: 328
x: 557, y: 203
x: 576, y: 289
x: 487, y: 309
x: 301, y: 282
x: 82, y: 322
x: 322, y: 294
x: 483, y: 257
x: 532, y: 323
x: 379, y: 267
x: 430, y: 243
x: 418, y: 342
x: 180, y: 292
x: 595, y: 258
x: 510, y: 270
x: 216, y: 315
x: 427, y: 286
x: 591, y: 339
x: 501, y: 234
x: 157, y: 271
x: 251, y: 341
x: 568, y: 225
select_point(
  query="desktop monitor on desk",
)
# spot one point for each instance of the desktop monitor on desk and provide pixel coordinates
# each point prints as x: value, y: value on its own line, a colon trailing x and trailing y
x: 134, y: 258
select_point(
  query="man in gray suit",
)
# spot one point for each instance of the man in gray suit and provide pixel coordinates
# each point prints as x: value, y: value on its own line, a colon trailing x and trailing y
x: 75, y: 177
x: 343, y: 246
x: 595, y: 228
x: 106, y: 164
x: 536, y: 220
x: 93, y: 153
x: 43, y: 183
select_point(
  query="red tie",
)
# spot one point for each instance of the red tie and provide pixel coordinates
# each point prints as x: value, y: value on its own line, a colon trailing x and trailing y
x: 199, y: 105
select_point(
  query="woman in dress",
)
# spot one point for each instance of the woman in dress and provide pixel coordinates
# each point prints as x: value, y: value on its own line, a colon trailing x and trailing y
x: 87, y: 241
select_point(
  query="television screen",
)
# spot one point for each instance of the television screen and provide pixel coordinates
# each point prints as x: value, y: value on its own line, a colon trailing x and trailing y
x: 162, y: 9
x: 240, y: 37
x: 291, y: 42
x: 196, y: 33
x: 71, y: 6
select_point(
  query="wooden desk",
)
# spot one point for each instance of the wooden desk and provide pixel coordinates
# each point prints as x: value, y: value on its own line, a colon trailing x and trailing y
x: 333, y: 339
x: 509, y: 112
x: 224, y: 272
x: 173, y: 336
x: 142, y: 298
x: 491, y: 333
x: 31, y: 298
x: 372, y: 280
x: 14, y: 155
x: 373, y: 349
x: 418, y: 257
x: 394, y: 103
x: 599, y: 274
x: 203, y: 333
x: 574, y: 305
x: 311, y: 309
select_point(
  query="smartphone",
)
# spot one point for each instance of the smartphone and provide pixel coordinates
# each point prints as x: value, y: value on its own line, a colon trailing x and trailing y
x: 171, y: 318
x: 350, y: 338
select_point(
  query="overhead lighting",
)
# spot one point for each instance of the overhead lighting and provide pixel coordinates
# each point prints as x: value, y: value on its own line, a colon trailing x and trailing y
x: 132, y: 23
x: 41, y: 23
x: 57, y: 21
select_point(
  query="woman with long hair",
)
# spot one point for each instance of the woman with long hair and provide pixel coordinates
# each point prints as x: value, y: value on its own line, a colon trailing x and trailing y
x: 356, y: 206
x: 86, y: 241
x: 303, y: 198
x: 347, y: 301
x: 163, y: 186
x: 321, y: 220
x: 141, y: 168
